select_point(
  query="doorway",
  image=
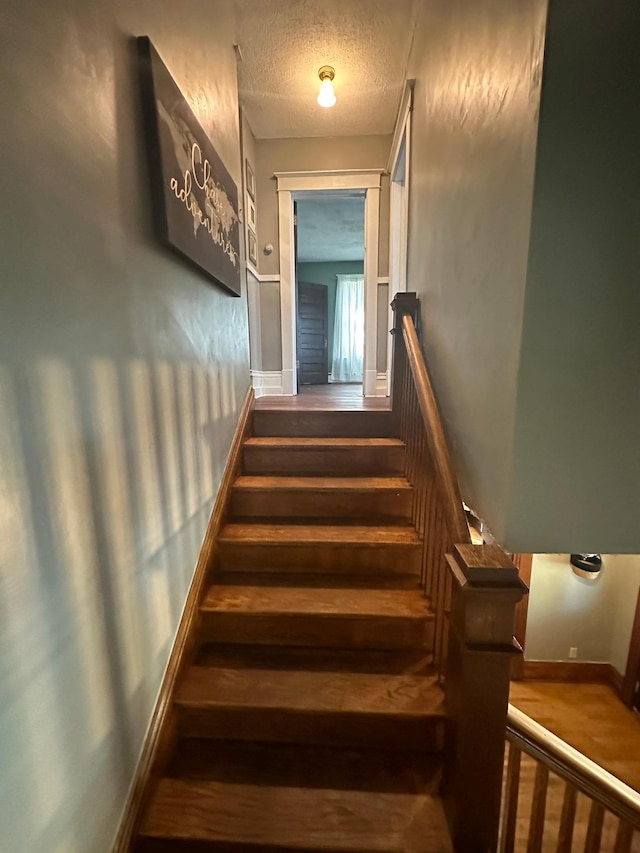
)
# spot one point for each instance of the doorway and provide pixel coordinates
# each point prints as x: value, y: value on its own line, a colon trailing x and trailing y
x: 299, y: 187
x: 330, y: 292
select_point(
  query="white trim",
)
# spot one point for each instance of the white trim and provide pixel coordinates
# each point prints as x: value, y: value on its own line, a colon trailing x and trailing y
x: 406, y: 106
x: 262, y: 277
x: 381, y: 385
x: 359, y: 179
x: 255, y: 326
x: 290, y: 184
x: 371, y: 228
x: 267, y: 383
x: 383, y: 279
x: 287, y: 292
x: 399, y: 210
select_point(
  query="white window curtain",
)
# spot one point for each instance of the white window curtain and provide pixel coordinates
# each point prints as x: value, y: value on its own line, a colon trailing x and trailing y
x: 348, y: 335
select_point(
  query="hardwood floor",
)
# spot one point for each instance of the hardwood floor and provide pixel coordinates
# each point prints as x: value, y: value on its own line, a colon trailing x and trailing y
x: 591, y: 718
x: 332, y: 397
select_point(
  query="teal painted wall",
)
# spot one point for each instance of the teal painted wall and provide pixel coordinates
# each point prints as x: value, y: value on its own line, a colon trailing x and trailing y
x: 122, y: 372
x: 325, y: 273
x: 575, y: 480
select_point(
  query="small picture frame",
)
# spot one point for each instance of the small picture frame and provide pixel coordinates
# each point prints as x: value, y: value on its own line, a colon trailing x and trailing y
x: 251, y: 181
x: 251, y: 214
x: 252, y: 246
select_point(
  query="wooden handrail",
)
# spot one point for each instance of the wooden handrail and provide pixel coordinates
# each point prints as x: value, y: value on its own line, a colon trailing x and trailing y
x: 572, y: 766
x: 473, y: 591
x: 451, y: 498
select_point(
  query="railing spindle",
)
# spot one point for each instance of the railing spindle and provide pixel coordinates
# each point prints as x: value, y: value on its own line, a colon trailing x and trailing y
x: 624, y: 837
x: 594, y: 829
x: 510, y: 801
x: 538, y: 808
x: 568, y: 819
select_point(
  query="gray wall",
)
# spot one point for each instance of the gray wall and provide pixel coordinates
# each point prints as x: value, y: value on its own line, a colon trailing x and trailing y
x: 477, y: 68
x: 578, y: 421
x: 121, y: 375
x: 594, y: 616
x: 531, y: 299
x: 290, y: 155
x: 325, y: 273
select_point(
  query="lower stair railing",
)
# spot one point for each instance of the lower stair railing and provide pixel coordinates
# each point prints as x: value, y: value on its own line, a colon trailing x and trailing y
x: 555, y: 799
x: 473, y: 591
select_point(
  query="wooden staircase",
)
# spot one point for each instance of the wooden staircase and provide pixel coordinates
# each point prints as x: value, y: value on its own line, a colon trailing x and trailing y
x: 312, y: 718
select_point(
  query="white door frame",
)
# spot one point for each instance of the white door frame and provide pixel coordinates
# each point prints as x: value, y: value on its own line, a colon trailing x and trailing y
x: 398, y: 168
x: 296, y: 185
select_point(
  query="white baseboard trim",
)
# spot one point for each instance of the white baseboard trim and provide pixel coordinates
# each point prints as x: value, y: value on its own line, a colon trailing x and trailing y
x: 381, y: 384
x: 267, y: 383
x: 370, y: 381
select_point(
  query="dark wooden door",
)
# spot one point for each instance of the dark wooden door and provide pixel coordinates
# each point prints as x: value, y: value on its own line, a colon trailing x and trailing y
x: 313, y: 322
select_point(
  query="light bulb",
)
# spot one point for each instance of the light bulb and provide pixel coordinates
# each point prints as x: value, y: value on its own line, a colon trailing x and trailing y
x: 327, y: 96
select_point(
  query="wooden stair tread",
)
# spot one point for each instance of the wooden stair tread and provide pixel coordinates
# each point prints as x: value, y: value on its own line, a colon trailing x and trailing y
x: 318, y: 442
x: 318, y: 534
x: 363, y: 603
x: 324, y: 484
x: 336, y: 692
x: 289, y: 819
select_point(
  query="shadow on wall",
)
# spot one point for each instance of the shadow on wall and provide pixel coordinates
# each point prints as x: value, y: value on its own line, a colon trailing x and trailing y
x: 107, y: 477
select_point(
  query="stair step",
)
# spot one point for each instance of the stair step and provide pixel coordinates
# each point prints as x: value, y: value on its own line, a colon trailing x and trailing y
x: 348, y: 549
x: 307, y: 766
x: 360, y: 498
x: 209, y: 815
x: 326, y: 456
x: 319, y: 424
x: 414, y: 661
x: 273, y: 577
x: 332, y: 708
x: 339, y: 618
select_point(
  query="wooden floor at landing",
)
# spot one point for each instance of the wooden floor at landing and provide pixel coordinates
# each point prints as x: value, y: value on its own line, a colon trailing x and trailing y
x: 335, y: 397
x: 591, y: 718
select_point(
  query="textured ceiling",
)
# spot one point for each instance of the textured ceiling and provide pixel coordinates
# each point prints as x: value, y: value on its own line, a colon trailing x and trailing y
x: 284, y: 43
x: 331, y: 229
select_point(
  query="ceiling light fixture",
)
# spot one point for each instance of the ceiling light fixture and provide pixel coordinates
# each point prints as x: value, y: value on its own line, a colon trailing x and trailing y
x: 326, y: 97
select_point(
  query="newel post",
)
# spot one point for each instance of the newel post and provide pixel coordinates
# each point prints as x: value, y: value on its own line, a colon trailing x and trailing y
x: 485, y: 590
x: 403, y: 303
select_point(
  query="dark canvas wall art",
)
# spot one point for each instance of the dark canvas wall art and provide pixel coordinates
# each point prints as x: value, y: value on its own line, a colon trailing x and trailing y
x: 195, y: 199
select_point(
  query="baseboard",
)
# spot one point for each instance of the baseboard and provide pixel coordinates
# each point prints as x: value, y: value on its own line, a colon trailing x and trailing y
x: 369, y: 380
x: 616, y: 679
x: 381, y: 385
x: 578, y: 672
x: 267, y: 383
x: 161, y: 733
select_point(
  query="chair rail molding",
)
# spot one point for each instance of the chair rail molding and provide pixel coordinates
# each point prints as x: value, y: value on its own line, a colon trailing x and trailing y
x: 295, y: 185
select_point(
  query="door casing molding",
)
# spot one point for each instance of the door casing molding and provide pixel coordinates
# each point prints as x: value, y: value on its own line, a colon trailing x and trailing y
x: 292, y: 186
x: 399, y: 207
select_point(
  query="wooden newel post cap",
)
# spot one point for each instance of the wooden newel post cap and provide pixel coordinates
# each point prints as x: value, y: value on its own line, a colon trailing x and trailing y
x: 486, y: 589
x: 404, y: 303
